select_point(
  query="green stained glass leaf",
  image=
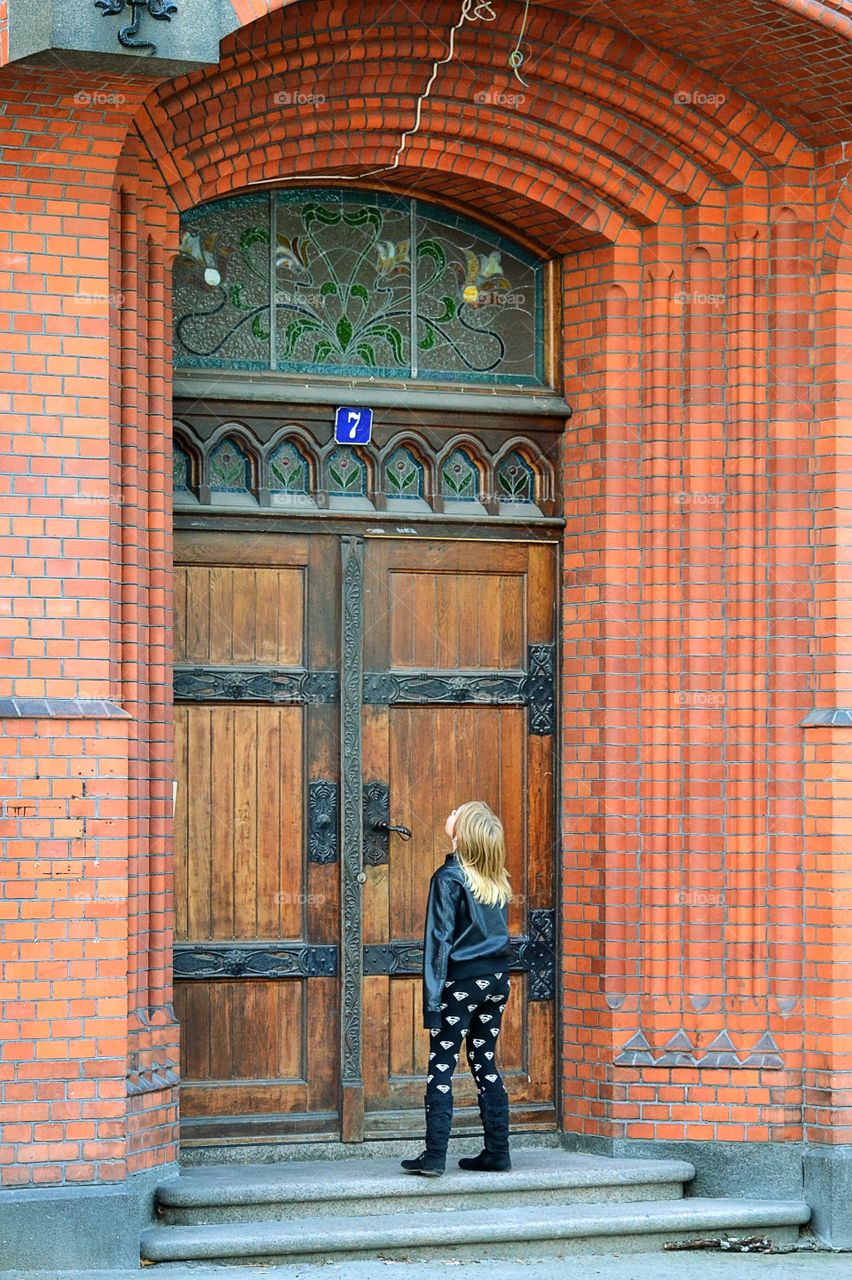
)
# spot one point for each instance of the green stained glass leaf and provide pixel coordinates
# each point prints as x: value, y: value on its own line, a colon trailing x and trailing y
x: 322, y: 350
x: 358, y: 291
x: 432, y: 249
x: 458, y: 477
x: 258, y: 330
x: 289, y: 469
x: 367, y: 214
x: 516, y: 479
x: 366, y: 354
x: 229, y: 468
x: 254, y: 235
x: 320, y: 213
x: 404, y: 475
x: 346, y: 473
x: 293, y: 333
x: 328, y: 289
x: 448, y: 313
x: 392, y: 337
x: 235, y: 295
x: 428, y: 340
x: 344, y: 332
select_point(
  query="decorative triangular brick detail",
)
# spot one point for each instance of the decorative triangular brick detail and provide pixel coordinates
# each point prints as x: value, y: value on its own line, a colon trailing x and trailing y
x: 720, y: 1053
x: 679, y: 1051
x: 636, y: 1052
x: 765, y: 1053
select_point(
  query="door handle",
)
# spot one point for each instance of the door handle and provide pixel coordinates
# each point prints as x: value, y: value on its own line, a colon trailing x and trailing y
x: 403, y: 832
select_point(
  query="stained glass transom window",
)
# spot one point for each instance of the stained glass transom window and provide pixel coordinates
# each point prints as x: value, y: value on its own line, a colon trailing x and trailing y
x: 403, y: 475
x: 230, y: 468
x: 515, y: 479
x: 354, y: 283
x: 288, y: 469
x: 460, y: 478
x: 347, y: 474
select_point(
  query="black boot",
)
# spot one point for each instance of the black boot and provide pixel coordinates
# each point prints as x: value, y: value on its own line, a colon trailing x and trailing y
x: 432, y: 1162
x: 494, y: 1109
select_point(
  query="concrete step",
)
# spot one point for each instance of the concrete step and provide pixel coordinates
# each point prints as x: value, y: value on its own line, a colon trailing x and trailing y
x: 538, y: 1231
x: 354, y: 1188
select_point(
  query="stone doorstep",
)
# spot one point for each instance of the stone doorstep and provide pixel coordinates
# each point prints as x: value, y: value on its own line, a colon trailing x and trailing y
x: 590, y: 1227
x: 353, y: 1179
x: 366, y: 1187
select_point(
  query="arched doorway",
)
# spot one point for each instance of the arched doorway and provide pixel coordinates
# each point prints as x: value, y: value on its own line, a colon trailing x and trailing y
x: 365, y: 635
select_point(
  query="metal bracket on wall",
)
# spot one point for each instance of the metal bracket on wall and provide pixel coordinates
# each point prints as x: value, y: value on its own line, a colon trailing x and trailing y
x: 323, y: 843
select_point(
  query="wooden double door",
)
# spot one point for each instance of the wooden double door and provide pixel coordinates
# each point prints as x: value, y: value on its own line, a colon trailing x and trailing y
x: 328, y: 689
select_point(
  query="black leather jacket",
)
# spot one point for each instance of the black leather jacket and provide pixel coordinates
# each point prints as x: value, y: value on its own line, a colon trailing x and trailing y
x: 463, y: 938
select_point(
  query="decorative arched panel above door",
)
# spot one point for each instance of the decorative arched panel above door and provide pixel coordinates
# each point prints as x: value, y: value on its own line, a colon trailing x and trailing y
x: 356, y: 284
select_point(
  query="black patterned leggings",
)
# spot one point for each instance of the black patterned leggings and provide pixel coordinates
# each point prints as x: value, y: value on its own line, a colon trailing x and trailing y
x: 471, y: 1010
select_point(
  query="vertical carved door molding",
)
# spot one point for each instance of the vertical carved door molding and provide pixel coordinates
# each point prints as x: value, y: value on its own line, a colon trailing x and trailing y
x: 351, y: 696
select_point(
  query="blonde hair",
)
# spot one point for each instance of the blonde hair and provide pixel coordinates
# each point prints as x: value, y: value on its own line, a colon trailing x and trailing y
x: 481, y: 851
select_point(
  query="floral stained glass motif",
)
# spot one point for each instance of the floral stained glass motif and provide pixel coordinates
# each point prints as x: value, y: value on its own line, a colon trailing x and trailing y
x: 343, y: 285
x: 357, y: 284
x: 288, y: 470
x: 515, y: 479
x: 230, y: 468
x: 221, y: 285
x: 404, y: 475
x: 460, y: 478
x: 347, y: 474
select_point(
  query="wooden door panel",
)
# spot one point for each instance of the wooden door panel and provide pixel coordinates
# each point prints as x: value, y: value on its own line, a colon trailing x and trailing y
x: 239, y: 822
x: 455, y: 620
x: 235, y: 614
x: 257, y: 917
x: 446, y: 612
x: 439, y: 757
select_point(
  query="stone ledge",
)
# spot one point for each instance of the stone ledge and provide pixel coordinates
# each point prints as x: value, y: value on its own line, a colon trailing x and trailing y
x: 61, y: 709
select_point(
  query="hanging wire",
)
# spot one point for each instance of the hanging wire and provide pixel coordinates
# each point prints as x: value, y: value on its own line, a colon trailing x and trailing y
x: 471, y: 11
x: 516, y: 57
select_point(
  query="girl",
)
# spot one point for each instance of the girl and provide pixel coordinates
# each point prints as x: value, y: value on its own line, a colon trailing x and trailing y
x: 466, y: 958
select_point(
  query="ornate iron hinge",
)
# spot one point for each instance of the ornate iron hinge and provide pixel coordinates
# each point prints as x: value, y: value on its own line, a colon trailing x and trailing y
x: 162, y: 10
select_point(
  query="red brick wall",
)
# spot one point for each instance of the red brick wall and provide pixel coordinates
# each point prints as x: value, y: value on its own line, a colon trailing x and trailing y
x: 704, y: 602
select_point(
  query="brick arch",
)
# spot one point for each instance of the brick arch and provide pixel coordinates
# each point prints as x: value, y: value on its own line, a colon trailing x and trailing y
x: 797, y: 49
x: 600, y: 150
